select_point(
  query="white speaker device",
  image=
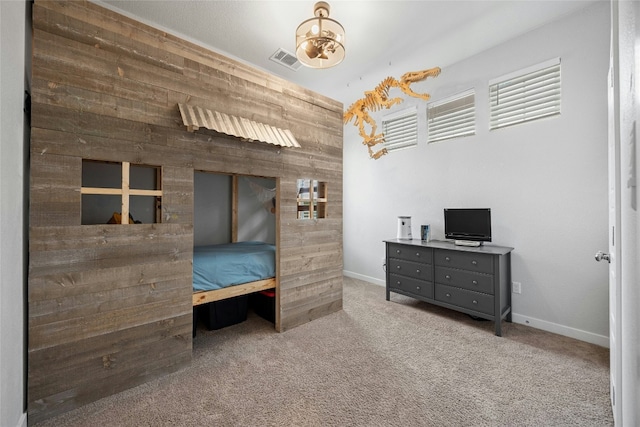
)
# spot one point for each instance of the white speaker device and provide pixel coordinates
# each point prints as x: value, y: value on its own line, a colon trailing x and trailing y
x: 404, y: 227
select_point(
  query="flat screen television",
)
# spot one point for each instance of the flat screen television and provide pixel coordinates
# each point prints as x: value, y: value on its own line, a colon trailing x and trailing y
x: 467, y: 226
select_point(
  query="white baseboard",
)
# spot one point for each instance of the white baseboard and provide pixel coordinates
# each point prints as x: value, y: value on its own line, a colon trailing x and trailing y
x: 365, y: 278
x: 23, y: 420
x: 555, y: 328
x: 566, y: 331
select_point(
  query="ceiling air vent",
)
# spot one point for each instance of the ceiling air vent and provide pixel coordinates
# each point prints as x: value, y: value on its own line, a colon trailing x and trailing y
x: 287, y: 59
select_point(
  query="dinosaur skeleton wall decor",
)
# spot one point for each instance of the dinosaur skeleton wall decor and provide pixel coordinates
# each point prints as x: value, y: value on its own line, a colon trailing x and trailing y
x: 378, y: 99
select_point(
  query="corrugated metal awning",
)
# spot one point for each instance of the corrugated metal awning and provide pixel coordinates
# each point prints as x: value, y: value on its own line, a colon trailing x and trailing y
x: 197, y: 117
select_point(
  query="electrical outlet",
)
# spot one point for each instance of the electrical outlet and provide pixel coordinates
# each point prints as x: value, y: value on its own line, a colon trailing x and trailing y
x: 516, y: 287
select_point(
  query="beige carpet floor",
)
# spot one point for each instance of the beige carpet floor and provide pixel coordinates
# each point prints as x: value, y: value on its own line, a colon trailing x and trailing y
x: 375, y: 363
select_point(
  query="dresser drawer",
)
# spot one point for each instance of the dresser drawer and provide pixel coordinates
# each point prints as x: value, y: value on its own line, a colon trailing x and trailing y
x: 479, y: 282
x: 414, y: 286
x: 411, y: 269
x: 481, y: 263
x: 411, y: 253
x: 475, y: 301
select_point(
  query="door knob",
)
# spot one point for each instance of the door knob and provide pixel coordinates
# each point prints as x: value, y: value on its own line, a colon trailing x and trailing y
x: 602, y: 256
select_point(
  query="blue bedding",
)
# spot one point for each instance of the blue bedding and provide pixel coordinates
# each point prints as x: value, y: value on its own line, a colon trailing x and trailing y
x: 220, y: 266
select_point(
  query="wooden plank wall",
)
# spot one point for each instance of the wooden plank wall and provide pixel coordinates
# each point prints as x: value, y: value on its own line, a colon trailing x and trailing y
x: 110, y: 305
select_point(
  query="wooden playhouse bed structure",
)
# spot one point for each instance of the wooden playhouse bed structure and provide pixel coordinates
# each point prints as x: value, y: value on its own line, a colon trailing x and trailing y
x: 113, y: 310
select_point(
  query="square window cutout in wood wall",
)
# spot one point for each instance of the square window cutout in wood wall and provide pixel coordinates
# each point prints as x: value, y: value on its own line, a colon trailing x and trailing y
x: 311, y: 199
x: 113, y: 191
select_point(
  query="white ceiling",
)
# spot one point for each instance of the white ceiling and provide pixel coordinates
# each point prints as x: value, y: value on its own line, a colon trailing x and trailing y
x: 379, y: 34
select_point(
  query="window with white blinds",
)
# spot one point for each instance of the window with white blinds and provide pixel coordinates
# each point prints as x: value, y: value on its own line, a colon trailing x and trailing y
x: 527, y: 95
x: 452, y: 117
x: 400, y: 130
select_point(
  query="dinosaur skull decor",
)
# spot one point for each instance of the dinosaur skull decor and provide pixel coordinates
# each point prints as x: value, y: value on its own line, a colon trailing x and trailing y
x: 378, y: 99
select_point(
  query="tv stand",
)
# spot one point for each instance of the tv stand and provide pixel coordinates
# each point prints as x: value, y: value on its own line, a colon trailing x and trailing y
x: 467, y: 243
x: 472, y: 280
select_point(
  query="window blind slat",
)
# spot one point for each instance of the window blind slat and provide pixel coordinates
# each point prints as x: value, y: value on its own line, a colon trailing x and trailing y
x: 402, y: 139
x: 524, y: 98
x: 453, y: 134
x: 395, y: 126
x: 515, y: 118
x: 454, y: 120
x: 552, y: 104
x: 506, y: 107
x: 525, y: 86
x: 401, y: 131
x: 541, y: 80
x: 440, y: 107
x: 514, y: 108
x: 465, y: 123
x: 541, y: 74
x: 451, y: 118
x: 528, y: 95
x: 449, y: 115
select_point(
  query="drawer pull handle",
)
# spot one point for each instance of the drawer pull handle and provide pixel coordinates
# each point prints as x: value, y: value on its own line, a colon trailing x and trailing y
x: 397, y: 251
x: 474, y: 262
x: 475, y: 282
x: 398, y: 267
x: 447, y: 277
x: 448, y: 295
x: 418, y: 254
x: 447, y: 258
x: 475, y: 302
x: 398, y: 282
x: 418, y: 271
x: 418, y: 288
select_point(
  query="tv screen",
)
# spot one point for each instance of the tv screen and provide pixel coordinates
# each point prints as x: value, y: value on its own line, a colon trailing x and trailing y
x: 468, y: 224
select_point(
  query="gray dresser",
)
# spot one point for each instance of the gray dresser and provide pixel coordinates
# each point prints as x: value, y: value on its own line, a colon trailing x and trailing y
x: 473, y: 280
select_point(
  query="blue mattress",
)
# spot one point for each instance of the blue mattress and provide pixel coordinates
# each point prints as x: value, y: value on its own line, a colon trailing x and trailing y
x: 220, y: 266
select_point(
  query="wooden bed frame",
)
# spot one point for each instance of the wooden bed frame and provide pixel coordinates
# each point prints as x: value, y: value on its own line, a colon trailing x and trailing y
x: 204, y: 297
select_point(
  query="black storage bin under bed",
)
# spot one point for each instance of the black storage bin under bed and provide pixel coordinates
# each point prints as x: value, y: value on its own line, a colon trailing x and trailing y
x: 223, y: 313
x: 264, y: 304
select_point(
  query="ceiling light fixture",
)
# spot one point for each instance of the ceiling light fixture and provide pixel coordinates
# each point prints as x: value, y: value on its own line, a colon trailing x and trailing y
x: 320, y: 40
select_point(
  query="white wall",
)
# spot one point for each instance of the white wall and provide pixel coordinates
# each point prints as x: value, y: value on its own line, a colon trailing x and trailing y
x: 545, y: 181
x: 13, y: 17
